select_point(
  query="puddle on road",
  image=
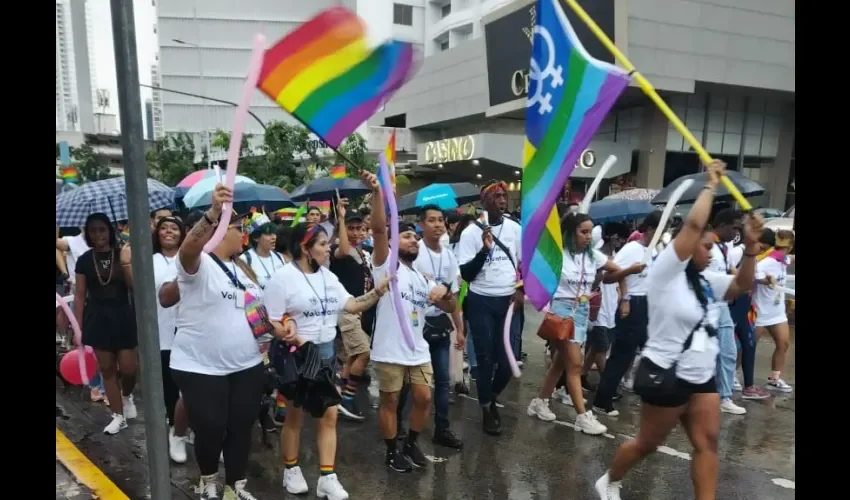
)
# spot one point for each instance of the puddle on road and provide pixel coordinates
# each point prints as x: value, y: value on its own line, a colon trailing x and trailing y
x: 60, y: 413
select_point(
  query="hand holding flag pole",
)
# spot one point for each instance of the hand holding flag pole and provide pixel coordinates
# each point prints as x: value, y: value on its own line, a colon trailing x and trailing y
x: 650, y: 92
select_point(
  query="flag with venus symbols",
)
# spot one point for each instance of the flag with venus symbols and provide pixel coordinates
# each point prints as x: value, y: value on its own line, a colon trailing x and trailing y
x: 568, y: 97
x: 327, y: 76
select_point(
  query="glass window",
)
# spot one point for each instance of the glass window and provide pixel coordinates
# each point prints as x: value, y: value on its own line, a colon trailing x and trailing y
x: 402, y: 14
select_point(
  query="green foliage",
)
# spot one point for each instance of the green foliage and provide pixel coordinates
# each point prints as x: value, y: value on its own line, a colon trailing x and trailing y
x: 354, y: 148
x: 171, y: 158
x: 91, y: 165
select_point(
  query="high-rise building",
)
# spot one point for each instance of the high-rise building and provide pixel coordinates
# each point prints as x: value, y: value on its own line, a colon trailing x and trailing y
x: 156, y: 99
x: 149, y: 120
x: 75, y: 72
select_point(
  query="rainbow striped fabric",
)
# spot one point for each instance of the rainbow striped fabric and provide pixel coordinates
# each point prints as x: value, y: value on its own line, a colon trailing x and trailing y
x: 389, y: 154
x: 325, y: 75
x: 69, y: 175
x: 337, y: 172
x: 568, y: 97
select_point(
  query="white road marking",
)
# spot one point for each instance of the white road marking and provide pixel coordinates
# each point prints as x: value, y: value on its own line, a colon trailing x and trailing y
x: 436, y: 460
x: 784, y: 483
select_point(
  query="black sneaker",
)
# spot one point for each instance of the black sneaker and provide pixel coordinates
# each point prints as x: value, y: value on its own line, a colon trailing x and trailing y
x: 447, y: 438
x: 267, y: 423
x: 586, y: 385
x: 349, y: 411
x: 279, y: 417
x: 494, y: 409
x: 490, y: 423
x: 412, y: 453
x: 401, y: 432
x: 473, y: 373
x: 396, y: 461
x: 616, y: 397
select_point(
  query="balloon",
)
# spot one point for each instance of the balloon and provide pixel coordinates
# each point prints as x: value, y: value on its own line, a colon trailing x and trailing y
x: 78, y: 334
x: 236, y: 137
x: 395, y: 294
x: 506, y: 339
x: 665, y: 216
x: 75, y: 372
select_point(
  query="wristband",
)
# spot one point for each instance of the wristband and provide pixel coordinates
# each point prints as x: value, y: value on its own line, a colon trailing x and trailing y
x: 209, y: 221
x: 756, y: 254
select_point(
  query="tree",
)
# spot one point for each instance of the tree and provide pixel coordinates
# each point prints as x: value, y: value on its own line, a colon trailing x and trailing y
x: 172, y: 158
x: 91, y: 164
x: 354, y: 148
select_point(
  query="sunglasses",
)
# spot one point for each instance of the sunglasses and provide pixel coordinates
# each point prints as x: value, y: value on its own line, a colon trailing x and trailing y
x: 236, y: 225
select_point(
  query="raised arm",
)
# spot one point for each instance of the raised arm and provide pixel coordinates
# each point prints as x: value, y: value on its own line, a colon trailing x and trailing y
x: 745, y: 278
x: 343, y: 249
x: 689, y: 236
x: 380, y: 237
x: 202, y: 231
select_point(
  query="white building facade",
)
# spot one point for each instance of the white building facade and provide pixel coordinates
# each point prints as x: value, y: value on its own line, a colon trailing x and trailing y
x: 75, y: 68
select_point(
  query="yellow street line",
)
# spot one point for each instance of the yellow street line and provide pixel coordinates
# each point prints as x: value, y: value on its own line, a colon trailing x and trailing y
x: 85, y: 471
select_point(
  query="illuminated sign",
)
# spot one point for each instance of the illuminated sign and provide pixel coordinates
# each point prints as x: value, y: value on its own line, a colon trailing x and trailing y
x: 446, y: 150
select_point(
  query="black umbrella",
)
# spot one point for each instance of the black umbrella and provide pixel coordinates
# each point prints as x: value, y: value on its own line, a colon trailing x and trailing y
x: 745, y: 185
x: 445, y: 196
x: 325, y: 189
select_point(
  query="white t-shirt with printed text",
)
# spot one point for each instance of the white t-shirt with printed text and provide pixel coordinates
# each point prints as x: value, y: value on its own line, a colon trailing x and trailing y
x: 314, y: 301
x: 263, y: 267
x: 770, y: 302
x: 213, y: 335
x: 498, y: 277
x: 441, y: 267
x: 632, y: 253
x: 164, y: 271
x: 573, y: 281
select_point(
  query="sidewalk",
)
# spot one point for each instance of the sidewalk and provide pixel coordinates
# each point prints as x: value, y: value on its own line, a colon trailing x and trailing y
x: 67, y: 487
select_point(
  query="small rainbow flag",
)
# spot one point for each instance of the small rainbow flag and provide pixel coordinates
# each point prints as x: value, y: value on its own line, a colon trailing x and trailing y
x: 568, y: 97
x: 389, y: 154
x: 338, y: 172
x: 69, y: 174
x: 326, y: 76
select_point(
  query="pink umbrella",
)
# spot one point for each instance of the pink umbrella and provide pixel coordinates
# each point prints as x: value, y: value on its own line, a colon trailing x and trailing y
x: 193, y: 178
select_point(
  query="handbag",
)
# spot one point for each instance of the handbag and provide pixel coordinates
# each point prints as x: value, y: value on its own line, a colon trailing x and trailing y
x: 437, y: 328
x: 556, y: 329
x: 595, y: 299
x: 654, y: 382
x: 255, y: 311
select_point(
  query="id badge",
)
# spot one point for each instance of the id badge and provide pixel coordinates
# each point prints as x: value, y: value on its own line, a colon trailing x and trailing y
x: 239, y: 298
x: 699, y: 340
x: 415, y: 318
x: 777, y: 299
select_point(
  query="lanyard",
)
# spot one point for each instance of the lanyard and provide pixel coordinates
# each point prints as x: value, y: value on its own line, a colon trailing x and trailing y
x: 493, y: 250
x: 323, y: 305
x: 260, y: 259
x: 438, y: 271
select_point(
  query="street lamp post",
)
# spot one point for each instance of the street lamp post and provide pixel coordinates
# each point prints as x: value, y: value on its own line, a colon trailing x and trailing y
x: 206, y: 131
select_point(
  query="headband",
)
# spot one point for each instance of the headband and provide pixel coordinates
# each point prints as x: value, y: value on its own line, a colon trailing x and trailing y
x: 492, y: 187
x: 312, y: 229
x: 783, y: 242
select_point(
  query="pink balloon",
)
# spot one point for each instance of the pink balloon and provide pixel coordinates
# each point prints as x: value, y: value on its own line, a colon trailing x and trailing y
x: 71, y: 367
x: 78, y: 333
x: 506, y: 339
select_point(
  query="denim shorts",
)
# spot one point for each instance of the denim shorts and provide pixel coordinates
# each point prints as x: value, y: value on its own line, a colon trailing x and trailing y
x: 326, y: 350
x: 580, y: 312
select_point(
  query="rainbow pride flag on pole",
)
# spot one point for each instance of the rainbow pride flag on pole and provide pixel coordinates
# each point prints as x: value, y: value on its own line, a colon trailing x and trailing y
x: 325, y: 75
x: 337, y: 172
x: 568, y: 97
x: 389, y: 154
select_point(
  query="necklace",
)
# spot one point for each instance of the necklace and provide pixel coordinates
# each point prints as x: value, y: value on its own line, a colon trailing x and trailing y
x: 438, y: 270
x: 323, y: 305
x: 105, y: 265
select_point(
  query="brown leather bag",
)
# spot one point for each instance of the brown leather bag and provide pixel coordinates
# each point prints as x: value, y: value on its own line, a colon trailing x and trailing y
x: 556, y: 329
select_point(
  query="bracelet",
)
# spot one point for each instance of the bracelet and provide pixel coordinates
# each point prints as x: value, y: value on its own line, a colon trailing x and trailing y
x: 209, y: 221
x: 751, y: 254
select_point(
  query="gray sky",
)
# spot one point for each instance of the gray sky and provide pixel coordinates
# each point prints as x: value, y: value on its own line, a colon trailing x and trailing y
x: 104, y: 54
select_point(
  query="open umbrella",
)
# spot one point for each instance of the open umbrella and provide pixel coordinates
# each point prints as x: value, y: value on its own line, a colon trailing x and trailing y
x: 745, y: 185
x: 609, y: 210
x: 644, y: 194
x: 201, y: 192
x: 196, y: 176
x: 108, y: 196
x: 325, y: 189
x: 445, y: 196
x: 248, y: 195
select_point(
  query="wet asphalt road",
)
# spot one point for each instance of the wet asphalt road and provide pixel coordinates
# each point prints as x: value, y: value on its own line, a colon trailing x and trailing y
x: 531, y: 460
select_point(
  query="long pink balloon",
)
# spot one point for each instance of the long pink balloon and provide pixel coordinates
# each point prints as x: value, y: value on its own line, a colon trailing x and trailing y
x: 395, y: 294
x: 506, y: 339
x: 78, y: 336
x: 236, y: 135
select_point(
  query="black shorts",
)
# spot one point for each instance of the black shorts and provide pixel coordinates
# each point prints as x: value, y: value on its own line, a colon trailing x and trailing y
x: 683, y: 392
x: 599, y: 338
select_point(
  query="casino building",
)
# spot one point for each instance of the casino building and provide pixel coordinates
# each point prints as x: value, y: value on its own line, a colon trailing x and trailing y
x: 726, y: 67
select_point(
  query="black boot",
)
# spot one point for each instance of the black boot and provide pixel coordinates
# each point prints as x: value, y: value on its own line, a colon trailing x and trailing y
x: 490, y: 422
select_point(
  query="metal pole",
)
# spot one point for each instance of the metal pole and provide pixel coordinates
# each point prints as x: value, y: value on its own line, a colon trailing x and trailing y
x: 135, y: 175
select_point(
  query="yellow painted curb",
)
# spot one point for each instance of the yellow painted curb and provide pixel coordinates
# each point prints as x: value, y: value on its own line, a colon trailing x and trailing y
x: 85, y: 471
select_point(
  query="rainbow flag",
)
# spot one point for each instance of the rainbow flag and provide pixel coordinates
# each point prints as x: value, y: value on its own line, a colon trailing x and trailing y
x: 69, y: 175
x: 337, y: 172
x: 326, y: 76
x: 389, y: 154
x: 569, y: 95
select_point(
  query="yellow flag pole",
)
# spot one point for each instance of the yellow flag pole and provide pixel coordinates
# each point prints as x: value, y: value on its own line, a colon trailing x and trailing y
x: 650, y: 92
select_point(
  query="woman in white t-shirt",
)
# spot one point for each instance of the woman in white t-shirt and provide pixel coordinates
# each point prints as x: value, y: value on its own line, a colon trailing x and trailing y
x: 675, y: 378
x: 168, y: 235
x: 215, y: 359
x: 261, y: 255
x: 306, y: 291
x: 769, y: 300
x: 578, y: 272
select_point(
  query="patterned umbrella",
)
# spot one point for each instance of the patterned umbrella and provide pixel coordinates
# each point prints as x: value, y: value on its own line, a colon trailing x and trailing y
x: 107, y: 196
x: 640, y: 194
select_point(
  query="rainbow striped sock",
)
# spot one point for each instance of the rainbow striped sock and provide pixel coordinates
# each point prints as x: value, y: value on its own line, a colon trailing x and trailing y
x: 280, y: 404
x: 349, y: 390
x: 290, y: 463
x: 326, y: 470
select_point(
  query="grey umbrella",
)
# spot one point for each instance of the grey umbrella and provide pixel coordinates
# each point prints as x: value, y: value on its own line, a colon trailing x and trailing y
x: 745, y: 185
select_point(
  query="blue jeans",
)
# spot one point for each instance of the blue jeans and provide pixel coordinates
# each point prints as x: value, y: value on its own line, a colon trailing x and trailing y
x: 486, y: 316
x: 327, y: 350
x: 746, y: 334
x: 728, y: 353
x: 470, y: 346
x: 442, y: 382
x: 517, y: 324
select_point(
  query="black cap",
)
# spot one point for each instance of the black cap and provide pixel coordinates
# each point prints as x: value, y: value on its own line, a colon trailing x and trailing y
x: 404, y: 226
x: 353, y: 215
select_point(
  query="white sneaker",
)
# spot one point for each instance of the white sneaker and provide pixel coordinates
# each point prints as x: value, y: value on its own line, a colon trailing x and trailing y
x: 330, y: 488
x: 629, y: 384
x: 562, y: 396
x: 778, y: 385
x: 736, y: 385
x: 294, y: 482
x: 607, y: 489
x: 221, y: 457
x: 728, y: 406
x: 176, y: 447
x: 118, y: 424
x: 238, y: 491
x: 587, y: 423
x: 540, y: 408
x: 519, y: 363
x: 130, y: 411
x: 209, y: 487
